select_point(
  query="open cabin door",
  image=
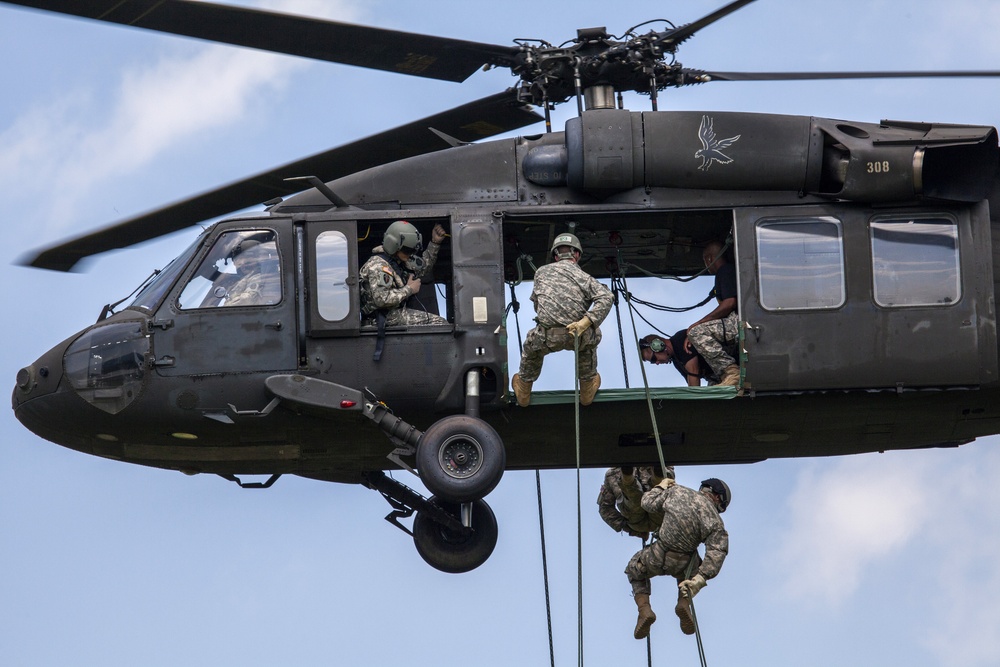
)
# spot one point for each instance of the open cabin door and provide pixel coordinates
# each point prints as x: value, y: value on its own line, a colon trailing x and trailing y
x: 849, y: 297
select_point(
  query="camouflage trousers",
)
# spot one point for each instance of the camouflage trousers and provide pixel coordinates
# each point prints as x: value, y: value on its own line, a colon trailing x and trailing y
x: 401, y: 317
x: 541, y: 341
x: 655, y: 560
x: 716, y: 342
x: 637, y: 518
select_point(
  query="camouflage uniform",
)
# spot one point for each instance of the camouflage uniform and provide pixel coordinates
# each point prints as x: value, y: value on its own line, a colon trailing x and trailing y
x: 563, y: 294
x: 689, y: 518
x: 384, y: 288
x: 716, y: 341
x: 257, y: 288
x: 620, y: 505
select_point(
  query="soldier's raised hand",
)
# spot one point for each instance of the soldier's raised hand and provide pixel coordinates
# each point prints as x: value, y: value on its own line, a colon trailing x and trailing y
x: 438, y: 234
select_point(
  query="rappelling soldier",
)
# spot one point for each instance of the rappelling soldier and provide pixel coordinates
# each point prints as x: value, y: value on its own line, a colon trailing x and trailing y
x: 690, y: 518
x: 620, y: 498
x: 569, y: 303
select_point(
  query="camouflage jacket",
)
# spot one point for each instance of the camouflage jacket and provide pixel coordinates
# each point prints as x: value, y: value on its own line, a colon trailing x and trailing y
x: 564, y: 293
x: 689, y: 519
x: 383, y: 287
x: 619, y: 505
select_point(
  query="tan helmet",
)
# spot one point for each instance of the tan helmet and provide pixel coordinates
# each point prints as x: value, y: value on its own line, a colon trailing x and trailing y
x: 566, y: 239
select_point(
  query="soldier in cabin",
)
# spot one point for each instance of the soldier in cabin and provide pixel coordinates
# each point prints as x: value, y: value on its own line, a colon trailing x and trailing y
x: 714, y: 337
x: 393, y: 274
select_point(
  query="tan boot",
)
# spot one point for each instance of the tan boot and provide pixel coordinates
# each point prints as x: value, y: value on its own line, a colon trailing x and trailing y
x: 683, y: 611
x: 646, y: 616
x: 588, y: 389
x: 730, y: 376
x: 522, y: 390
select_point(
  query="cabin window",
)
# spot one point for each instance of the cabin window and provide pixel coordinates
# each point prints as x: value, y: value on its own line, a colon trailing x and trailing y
x: 241, y: 269
x: 801, y: 263
x: 915, y: 262
x: 333, y: 298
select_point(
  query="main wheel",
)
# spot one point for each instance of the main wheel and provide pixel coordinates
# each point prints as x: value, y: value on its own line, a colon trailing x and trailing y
x: 453, y: 551
x: 460, y: 458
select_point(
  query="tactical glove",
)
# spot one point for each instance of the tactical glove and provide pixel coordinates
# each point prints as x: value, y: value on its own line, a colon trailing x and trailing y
x: 578, y: 327
x: 690, y: 587
x: 666, y: 483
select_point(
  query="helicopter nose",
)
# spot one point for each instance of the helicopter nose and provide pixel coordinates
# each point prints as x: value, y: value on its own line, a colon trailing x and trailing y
x: 102, y: 367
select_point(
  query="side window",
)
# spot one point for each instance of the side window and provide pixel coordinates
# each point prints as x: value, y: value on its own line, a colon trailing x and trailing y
x: 334, y: 298
x: 801, y: 263
x: 915, y: 262
x: 242, y: 269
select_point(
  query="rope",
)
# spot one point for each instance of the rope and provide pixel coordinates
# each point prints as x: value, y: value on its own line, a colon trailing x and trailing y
x: 621, y: 337
x: 694, y: 616
x: 579, y: 504
x: 516, y: 306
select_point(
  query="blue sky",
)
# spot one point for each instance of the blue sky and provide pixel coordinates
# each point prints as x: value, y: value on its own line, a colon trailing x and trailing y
x: 875, y: 559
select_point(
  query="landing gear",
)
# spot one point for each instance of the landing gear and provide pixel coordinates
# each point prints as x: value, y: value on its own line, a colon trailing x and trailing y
x: 456, y: 551
x: 460, y: 458
x: 450, y: 537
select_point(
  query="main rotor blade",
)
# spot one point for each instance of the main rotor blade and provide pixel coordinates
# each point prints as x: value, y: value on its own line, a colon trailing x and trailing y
x: 374, y: 48
x: 808, y: 76
x: 480, y: 119
x: 678, y: 35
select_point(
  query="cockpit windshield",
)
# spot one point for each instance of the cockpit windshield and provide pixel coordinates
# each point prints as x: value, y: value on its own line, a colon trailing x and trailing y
x: 149, y: 298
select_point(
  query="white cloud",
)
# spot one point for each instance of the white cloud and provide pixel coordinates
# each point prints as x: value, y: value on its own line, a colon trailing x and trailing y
x: 965, y: 536
x: 846, y: 514
x: 83, y: 139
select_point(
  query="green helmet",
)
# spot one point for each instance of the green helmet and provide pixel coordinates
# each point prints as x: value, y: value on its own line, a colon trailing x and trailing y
x: 721, y: 489
x: 401, y: 235
x: 569, y: 240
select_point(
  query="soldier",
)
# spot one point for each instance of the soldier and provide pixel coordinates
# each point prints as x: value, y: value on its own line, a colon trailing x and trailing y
x: 619, y: 501
x: 660, y: 350
x: 256, y: 284
x: 690, y: 518
x: 392, y: 275
x: 569, y: 304
x: 715, y: 336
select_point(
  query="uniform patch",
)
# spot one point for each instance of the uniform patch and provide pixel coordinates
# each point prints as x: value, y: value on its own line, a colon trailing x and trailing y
x: 387, y: 278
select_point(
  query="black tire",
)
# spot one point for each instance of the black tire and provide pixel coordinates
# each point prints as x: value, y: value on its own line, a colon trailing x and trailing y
x: 452, y: 551
x: 460, y: 458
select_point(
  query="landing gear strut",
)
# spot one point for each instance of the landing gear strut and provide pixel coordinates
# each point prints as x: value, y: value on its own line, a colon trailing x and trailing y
x: 438, y: 532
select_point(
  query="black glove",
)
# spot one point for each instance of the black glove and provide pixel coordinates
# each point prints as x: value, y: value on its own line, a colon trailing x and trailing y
x: 628, y: 470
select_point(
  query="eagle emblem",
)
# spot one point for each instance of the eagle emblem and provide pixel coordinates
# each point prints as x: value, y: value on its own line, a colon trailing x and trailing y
x: 711, y: 148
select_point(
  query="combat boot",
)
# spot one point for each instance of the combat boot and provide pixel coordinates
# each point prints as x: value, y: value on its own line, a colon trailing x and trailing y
x: 588, y: 389
x: 646, y: 616
x: 683, y: 611
x: 522, y: 390
x: 730, y: 376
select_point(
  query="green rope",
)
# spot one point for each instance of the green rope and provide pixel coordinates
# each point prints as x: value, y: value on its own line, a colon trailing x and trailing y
x: 579, y: 504
x: 513, y: 305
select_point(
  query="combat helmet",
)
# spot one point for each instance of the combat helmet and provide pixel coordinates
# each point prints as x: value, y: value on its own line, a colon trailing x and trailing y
x: 721, y: 489
x: 566, y: 239
x: 401, y: 235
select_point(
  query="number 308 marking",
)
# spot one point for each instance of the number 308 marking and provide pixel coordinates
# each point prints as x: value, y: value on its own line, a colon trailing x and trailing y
x: 878, y: 167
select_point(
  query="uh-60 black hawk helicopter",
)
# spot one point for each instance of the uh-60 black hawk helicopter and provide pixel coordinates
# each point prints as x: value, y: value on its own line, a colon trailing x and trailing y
x: 859, y: 248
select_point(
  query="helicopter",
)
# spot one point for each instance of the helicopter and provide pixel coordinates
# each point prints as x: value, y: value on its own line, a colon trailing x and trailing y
x: 842, y: 232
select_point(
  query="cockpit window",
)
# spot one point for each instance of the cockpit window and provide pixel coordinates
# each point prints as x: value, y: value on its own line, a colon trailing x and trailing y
x: 152, y: 294
x: 242, y: 269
